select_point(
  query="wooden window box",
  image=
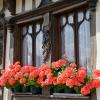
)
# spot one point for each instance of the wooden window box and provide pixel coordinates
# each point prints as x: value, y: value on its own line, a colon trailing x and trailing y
x: 26, y: 96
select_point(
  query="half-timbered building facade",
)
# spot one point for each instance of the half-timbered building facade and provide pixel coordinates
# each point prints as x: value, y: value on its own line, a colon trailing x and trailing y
x: 41, y: 31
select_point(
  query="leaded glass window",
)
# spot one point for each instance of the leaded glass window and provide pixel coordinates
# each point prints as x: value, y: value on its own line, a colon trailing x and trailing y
x: 32, y: 37
x: 84, y: 38
x: 67, y: 35
x: 39, y: 50
x: 75, y: 37
x: 27, y: 45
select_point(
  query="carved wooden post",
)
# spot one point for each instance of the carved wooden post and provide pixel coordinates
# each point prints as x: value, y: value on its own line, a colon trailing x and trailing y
x: 3, y: 22
x: 10, y: 30
x: 46, y: 38
x: 92, y: 6
x: 46, y: 45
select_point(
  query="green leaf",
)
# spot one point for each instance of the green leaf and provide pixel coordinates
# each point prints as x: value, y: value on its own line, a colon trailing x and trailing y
x: 77, y: 89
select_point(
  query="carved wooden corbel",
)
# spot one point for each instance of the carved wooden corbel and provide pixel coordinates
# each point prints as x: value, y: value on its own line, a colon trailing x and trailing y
x: 10, y: 24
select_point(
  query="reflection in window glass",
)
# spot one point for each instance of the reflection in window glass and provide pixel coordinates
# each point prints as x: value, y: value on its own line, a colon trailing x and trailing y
x: 27, y: 45
x: 84, y: 41
x: 39, y: 50
x: 30, y: 29
x: 38, y: 28
x: 67, y: 35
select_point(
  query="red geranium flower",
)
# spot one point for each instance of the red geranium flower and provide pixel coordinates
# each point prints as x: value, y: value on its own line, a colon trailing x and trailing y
x: 18, y: 75
x: 2, y: 81
x: 43, y: 67
x: 85, y: 90
x: 70, y: 82
x: 17, y: 68
x: 73, y: 65
x: 34, y: 74
x: 95, y: 83
x: 11, y: 81
x: 81, y: 72
x: 17, y: 63
x: 96, y: 74
x: 59, y: 63
x: 22, y: 81
x: 69, y: 72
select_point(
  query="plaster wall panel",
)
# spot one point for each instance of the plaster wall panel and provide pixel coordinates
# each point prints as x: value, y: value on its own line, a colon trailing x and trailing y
x: 98, y: 41
x: 28, y: 5
x: 18, y: 6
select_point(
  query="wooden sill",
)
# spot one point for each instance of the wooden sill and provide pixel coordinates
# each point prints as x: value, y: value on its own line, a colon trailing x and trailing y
x: 56, y: 96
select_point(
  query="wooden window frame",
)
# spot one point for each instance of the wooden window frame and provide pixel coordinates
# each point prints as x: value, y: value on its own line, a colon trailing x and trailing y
x: 62, y: 6
x: 19, y: 41
x: 57, y: 34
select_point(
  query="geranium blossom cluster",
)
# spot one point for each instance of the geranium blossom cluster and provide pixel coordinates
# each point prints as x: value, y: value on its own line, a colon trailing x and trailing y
x: 60, y: 72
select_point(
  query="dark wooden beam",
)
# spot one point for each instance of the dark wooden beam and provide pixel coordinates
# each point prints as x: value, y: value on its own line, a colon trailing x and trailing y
x: 50, y: 8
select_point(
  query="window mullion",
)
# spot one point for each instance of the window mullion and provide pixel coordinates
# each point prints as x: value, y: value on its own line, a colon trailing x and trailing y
x: 34, y: 44
x: 76, y: 37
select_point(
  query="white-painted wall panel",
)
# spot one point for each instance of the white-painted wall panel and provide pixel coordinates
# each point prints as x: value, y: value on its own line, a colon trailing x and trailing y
x: 98, y: 33
x: 28, y: 5
x: 98, y: 41
x: 18, y: 6
x: 7, y: 62
x: 37, y: 3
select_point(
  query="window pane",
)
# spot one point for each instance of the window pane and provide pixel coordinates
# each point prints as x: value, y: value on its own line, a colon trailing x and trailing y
x: 67, y: 35
x: 27, y: 45
x: 39, y: 50
x: 84, y: 41
x: 30, y: 29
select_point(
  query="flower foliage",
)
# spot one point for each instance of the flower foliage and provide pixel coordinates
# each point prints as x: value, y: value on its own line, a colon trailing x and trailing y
x: 59, y: 73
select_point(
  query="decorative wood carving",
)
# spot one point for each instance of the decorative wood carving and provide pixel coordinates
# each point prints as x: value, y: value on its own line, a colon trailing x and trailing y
x: 11, y: 6
x: 46, y: 38
x: 3, y: 25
